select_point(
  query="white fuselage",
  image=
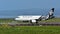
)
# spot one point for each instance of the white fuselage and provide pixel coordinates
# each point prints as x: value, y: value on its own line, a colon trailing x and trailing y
x: 35, y: 18
x: 24, y: 18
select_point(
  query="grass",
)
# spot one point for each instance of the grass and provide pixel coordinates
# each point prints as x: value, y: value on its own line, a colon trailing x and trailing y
x: 6, y: 20
x: 30, y: 30
x: 11, y: 20
x: 5, y: 29
x: 52, y: 20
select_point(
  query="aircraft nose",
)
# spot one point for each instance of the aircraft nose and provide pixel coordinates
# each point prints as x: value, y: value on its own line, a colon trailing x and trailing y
x: 16, y: 18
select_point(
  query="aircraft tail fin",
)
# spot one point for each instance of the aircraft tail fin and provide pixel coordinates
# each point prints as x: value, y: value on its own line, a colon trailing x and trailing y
x: 50, y: 14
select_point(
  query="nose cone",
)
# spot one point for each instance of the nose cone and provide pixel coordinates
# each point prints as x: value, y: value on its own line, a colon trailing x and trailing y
x: 16, y: 18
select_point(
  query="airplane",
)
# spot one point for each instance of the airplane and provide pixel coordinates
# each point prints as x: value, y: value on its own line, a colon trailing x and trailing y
x: 35, y: 18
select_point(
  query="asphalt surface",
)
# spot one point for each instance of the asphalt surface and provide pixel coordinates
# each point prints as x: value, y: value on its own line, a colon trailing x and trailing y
x: 34, y: 24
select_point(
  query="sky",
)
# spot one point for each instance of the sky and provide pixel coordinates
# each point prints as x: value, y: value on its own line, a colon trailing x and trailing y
x: 28, y: 4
